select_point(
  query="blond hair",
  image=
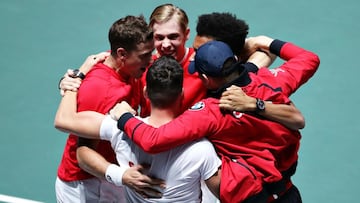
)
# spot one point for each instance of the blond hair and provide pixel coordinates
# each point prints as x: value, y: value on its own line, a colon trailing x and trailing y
x: 165, y: 12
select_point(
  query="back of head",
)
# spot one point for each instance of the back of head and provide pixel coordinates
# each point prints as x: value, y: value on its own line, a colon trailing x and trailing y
x: 223, y: 27
x: 165, y: 12
x: 128, y: 32
x: 164, y: 82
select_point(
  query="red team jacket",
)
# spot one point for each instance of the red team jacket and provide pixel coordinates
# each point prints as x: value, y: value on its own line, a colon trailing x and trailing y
x: 100, y: 91
x: 194, y: 90
x: 254, y: 150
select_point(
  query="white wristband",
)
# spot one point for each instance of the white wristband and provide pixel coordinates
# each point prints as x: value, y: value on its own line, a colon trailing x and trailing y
x: 114, y: 174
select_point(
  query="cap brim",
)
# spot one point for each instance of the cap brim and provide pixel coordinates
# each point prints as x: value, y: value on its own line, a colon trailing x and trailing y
x: 191, y: 67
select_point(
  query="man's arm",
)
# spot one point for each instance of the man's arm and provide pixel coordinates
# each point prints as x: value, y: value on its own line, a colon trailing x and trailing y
x: 68, y: 82
x: 251, y: 53
x: 235, y: 99
x: 287, y: 115
x: 67, y: 119
x: 213, y: 183
x: 92, y: 162
x: 190, y: 126
x: 87, y: 124
x: 262, y: 59
x: 300, y: 65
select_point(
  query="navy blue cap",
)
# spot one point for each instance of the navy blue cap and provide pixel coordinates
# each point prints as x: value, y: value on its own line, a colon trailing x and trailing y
x: 210, y: 58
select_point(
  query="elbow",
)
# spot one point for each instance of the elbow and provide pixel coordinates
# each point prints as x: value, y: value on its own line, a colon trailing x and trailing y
x: 300, y: 122
x: 60, y: 123
x: 57, y: 124
x: 316, y: 61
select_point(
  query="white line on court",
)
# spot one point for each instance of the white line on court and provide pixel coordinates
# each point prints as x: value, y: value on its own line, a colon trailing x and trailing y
x: 10, y: 199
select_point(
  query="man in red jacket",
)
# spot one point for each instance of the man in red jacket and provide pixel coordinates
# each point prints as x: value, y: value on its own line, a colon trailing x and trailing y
x: 109, y: 82
x: 254, y: 150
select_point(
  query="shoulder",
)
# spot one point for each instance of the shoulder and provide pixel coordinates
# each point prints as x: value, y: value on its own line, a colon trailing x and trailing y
x: 203, y: 145
x: 205, y: 104
x: 195, y: 150
x: 201, y: 151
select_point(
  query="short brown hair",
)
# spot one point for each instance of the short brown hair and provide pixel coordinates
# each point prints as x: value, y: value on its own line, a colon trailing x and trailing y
x: 128, y: 32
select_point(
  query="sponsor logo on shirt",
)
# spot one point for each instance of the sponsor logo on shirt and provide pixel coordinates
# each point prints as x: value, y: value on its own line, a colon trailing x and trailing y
x: 237, y: 114
x: 198, y: 106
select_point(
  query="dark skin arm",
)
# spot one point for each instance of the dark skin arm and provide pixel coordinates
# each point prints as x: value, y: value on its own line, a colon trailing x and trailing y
x: 288, y: 115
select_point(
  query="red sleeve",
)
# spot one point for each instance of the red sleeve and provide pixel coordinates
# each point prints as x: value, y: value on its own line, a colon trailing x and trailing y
x: 99, y: 92
x: 91, y: 100
x: 191, y: 125
x: 299, y: 67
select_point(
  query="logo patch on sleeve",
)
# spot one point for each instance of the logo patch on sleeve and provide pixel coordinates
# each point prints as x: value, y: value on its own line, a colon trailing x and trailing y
x: 198, y: 106
x: 276, y: 71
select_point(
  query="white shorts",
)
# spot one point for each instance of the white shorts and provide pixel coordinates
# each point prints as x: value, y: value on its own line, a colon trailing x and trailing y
x: 88, y: 191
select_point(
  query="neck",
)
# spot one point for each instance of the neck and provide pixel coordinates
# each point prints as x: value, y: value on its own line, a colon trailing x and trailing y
x: 160, y: 117
x: 183, y: 55
x: 240, y: 79
x: 112, y: 63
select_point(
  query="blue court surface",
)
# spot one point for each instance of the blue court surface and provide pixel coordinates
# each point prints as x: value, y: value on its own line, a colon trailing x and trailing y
x: 40, y: 39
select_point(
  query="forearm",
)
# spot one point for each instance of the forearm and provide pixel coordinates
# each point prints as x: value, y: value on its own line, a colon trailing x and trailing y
x: 65, y: 112
x: 262, y: 59
x: 94, y: 163
x: 213, y: 183
x: 85, y: 124
x: 91, y: 161
x: 234, y: 99
x: 177, y: 132
x: 288, y: 115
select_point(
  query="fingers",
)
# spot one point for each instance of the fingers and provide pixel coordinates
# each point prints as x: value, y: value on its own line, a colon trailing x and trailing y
x: 225, y: 104
x: 154, y: 182
x: 92, y: 60
x: 69, y: 73
x: 101, y: 56
x: 150, y: 193
x: 150, y: 187
x: 62, y: 92
x: 119, y: 109
x: 97, y: 58
x: 69, y: 83
x: 126, y: 107
x: 143, y: 184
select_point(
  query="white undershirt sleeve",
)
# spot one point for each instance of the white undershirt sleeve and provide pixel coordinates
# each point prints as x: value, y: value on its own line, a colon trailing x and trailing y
x: 108, y: 128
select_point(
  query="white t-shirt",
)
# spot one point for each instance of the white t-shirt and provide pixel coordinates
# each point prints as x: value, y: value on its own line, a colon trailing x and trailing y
x: 182, y: 168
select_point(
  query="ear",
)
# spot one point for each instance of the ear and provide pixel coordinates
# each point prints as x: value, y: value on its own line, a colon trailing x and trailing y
x: 187, y: 33
x: 182, y: 94
x: 145, y: 92
x: 205, y: 79
x: 121, y: 53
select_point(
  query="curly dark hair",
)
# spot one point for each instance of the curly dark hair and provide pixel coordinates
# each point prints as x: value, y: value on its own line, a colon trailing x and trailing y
x: 223, y: 27
x: 164, y: 81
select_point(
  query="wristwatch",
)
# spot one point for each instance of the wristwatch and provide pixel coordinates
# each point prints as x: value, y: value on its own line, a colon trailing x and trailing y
x: 260, y: 105
x: 78, y: 74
